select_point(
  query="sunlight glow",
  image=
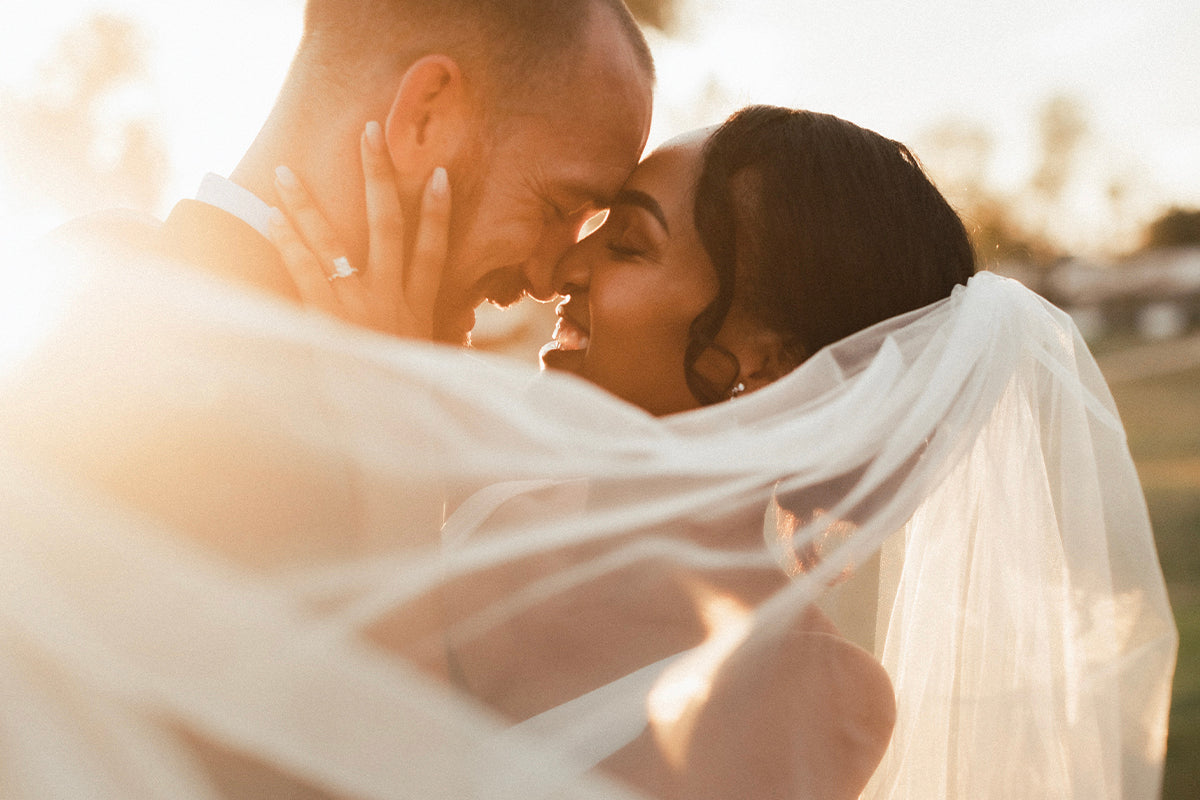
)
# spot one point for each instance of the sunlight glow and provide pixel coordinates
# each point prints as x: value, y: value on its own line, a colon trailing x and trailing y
x: 681, y: 692
x: 35, y: 296
x: 592, y: 224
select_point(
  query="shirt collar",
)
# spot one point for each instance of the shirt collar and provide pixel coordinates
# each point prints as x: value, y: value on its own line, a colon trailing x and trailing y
x: 236, y: 200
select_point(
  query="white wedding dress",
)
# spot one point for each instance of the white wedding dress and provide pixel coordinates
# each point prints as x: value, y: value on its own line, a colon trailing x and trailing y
x: 208, y: 499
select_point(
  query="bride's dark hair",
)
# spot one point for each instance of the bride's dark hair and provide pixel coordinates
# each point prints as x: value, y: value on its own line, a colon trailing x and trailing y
x: 821, y: 228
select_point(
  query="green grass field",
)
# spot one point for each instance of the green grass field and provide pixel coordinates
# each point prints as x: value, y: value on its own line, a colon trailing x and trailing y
x: 1162, y: 417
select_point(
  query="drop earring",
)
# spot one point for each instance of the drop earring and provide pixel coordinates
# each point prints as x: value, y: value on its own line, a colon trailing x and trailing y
x: 737, y: 391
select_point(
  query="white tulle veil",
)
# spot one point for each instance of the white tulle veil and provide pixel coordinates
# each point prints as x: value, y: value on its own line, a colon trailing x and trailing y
x: 208, y: 497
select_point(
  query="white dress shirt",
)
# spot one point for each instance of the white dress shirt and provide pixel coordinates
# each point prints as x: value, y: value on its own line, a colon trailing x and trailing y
x: 236, y: 200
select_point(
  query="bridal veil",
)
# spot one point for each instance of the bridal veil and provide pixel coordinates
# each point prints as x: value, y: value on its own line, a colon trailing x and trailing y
x: 206, y: 499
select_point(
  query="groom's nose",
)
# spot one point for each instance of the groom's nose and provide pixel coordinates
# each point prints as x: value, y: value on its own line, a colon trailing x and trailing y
x: 572, y: 273
x: 541, y: 268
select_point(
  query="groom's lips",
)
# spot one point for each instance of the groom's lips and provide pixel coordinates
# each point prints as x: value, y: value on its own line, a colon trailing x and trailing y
x: 500, y: 287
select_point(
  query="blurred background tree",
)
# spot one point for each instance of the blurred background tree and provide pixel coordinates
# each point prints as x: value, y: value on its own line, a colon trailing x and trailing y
x: 76, y: 139
x: 958, y: 153
x: 1062, y: 126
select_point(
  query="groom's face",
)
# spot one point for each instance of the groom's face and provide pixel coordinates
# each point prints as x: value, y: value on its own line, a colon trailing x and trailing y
x: 537, y: 176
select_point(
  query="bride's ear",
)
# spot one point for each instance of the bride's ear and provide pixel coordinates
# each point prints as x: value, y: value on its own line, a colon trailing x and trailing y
x: 763, y: 355
x: 429, y: 120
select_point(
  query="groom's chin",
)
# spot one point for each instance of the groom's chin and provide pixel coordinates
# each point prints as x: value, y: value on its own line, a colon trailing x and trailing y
x: 455, y: 329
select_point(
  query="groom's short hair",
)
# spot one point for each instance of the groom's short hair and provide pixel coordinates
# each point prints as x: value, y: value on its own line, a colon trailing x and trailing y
x: 521, y: 48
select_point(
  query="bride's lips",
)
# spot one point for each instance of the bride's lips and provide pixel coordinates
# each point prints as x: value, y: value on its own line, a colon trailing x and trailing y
x: 568, y: 332
x: 571, y: 339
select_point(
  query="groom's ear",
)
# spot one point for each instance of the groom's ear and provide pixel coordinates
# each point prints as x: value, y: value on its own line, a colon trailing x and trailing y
x: 429, y: 121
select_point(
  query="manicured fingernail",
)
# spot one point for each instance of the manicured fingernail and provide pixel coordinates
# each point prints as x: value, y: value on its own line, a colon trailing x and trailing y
x: 374, y: 136
x: 439, y: 184
x: 286, y: 178
x: 277, y: 218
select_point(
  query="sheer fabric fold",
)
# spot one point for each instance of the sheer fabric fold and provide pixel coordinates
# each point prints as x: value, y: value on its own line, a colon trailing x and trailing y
x: 366, y: 568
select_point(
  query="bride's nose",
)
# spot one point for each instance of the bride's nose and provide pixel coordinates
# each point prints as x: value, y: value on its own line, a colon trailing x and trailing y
x: 573, y: 271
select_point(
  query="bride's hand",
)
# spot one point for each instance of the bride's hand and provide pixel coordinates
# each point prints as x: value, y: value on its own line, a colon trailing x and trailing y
x: 387, y: 294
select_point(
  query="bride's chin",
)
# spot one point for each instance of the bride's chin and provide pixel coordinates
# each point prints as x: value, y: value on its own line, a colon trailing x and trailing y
x: 554, y: 357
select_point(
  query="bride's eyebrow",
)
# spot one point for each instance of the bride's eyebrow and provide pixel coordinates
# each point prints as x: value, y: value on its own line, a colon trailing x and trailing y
x: 632, y: 197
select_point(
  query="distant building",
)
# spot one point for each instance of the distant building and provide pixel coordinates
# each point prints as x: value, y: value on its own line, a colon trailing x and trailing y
x: 1154, y: 294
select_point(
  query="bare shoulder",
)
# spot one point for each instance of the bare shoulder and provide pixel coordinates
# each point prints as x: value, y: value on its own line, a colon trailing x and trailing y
x: 802, y: 713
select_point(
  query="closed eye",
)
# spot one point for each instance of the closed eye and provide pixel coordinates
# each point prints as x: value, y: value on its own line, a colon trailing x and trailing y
x: 623, y: 251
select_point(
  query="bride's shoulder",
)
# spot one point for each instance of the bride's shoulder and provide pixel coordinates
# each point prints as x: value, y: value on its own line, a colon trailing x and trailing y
x: 809, y: 706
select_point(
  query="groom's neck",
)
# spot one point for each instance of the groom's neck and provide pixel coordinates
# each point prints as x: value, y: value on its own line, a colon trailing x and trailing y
x: 324, y: 155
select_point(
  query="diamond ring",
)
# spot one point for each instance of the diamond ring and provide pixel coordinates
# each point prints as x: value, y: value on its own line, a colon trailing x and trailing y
x: 341, y: 269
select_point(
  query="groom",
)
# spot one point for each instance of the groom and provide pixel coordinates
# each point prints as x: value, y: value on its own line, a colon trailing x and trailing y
x: 538, y: 111
x: 139, y: 405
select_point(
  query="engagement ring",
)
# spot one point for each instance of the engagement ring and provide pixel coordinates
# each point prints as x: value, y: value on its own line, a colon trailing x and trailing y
x: 341, y: 269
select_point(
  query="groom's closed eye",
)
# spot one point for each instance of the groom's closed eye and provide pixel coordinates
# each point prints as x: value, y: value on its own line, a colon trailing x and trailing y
x: 577, y: 212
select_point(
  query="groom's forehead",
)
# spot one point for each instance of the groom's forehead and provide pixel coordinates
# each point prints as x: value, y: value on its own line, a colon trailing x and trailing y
x: 585, y: 149
x: 580, y: 142
x: 581, y: 173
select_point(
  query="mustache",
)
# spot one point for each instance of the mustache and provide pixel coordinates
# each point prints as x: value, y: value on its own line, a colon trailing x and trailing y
x: 503, y: 287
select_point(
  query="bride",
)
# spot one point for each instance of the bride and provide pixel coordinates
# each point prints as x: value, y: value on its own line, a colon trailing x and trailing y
x: 730, y: 257
x: 827, y: 515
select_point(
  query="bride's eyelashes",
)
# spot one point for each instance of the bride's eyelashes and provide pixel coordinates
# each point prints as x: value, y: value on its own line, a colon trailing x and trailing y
x: 625, y: 238
x: 624, y: 241
x: 624, y: 252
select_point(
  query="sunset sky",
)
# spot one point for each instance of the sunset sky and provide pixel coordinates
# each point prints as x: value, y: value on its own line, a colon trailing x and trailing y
x: 899, y: 68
